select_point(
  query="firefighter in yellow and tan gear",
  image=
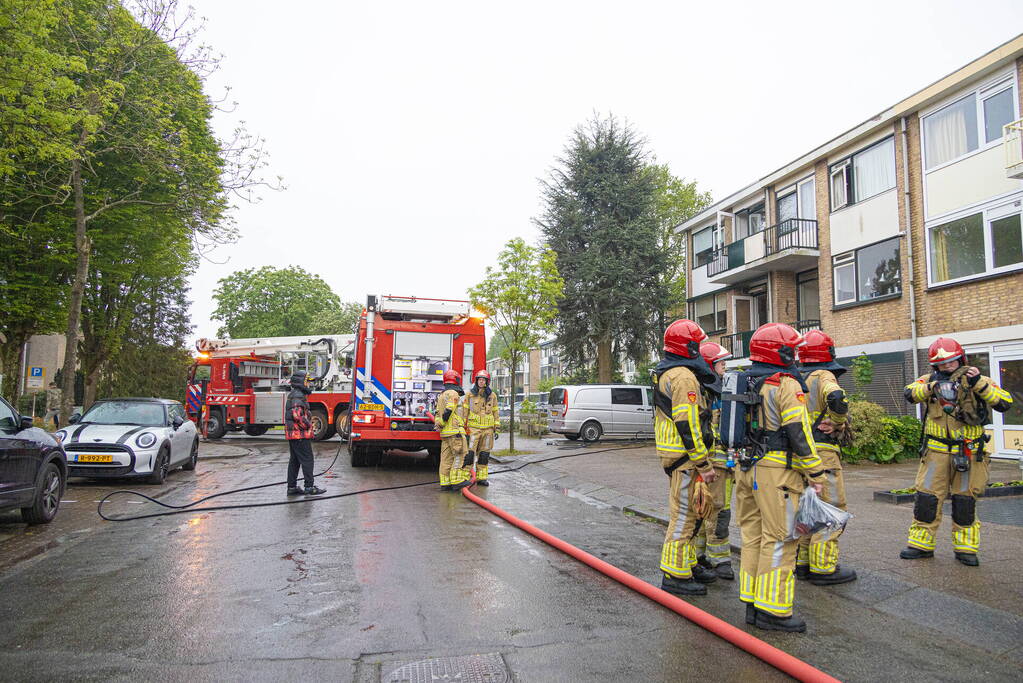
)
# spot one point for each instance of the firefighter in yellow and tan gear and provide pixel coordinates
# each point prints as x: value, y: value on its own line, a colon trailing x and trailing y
x: 682, y: 446
x: 713, y: 549
x: 483, y: 424
x: 449, y: 418
x: 958, y: 401
x: 772, y: 477
x: 817, y: 556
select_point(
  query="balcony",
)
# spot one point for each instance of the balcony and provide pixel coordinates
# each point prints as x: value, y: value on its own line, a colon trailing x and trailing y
x: 738, y: 343
x: 1012, y: 142
x: 791, y: 245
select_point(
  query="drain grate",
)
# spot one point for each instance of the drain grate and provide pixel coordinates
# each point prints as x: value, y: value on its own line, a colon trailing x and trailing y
x: 485, y: 668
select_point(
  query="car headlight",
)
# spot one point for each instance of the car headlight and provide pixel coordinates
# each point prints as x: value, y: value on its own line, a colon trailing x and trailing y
x: 145, y: 440
x: 60, y: 436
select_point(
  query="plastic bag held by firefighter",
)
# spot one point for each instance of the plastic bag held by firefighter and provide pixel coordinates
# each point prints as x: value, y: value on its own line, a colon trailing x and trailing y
x: 815, y: 515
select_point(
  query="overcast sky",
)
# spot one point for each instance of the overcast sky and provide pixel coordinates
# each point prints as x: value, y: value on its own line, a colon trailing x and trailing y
x: 412, y: 135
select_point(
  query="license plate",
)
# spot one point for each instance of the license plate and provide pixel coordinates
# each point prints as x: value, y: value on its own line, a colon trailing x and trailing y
x: 370, y: 406
x: 93, y: 457
x: 554, y: 413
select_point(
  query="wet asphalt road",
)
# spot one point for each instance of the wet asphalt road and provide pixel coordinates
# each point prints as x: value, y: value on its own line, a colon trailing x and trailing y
x: 348, y: 588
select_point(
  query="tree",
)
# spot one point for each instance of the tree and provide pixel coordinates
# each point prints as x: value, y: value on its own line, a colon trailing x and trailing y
x: 271, y: 302
x: 497, y: 348
x: 521, y: 296
x: 340, y: 320
x: 601, y: 221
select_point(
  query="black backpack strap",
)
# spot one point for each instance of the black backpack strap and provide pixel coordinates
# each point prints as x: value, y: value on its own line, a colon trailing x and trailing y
x: 670, y: 469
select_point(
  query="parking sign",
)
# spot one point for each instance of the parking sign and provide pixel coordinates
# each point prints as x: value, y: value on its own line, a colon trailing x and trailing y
x: 36, y: 377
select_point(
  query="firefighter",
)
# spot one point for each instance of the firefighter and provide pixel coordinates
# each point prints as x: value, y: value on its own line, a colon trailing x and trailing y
x: 683, y: 449
x: 298, y: 430
x: 957, y: 402
x: 817, y: 557
x: 449, y: 419
x: 768, y: 485
x: 712, y: 545
x: 483, y: 423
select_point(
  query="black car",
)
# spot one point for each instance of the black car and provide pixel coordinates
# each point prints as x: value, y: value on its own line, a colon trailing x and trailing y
x: 33, y: 468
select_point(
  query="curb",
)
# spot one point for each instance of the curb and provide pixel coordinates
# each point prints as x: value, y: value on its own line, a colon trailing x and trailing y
x: 989, y: 492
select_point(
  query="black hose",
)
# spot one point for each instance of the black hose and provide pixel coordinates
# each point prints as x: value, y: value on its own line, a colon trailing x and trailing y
x: 189, y: 508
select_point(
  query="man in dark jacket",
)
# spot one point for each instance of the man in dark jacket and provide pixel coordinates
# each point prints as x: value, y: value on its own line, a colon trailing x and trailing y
x: 298, y: 430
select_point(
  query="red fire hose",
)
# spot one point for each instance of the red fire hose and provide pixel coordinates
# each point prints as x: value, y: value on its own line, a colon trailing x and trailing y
x: 782, y: 661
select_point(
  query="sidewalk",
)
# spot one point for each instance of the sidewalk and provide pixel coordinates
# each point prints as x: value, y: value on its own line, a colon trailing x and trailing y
x: 985, y: 602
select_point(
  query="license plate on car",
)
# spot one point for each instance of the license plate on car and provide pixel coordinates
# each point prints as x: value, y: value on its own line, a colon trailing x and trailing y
x: 93, y: 457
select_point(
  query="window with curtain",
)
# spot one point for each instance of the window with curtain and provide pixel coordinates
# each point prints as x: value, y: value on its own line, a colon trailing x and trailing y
x: 709, y: 312
x: 957, y: 248
x: 703, y: 246
x: 874, y: 170
x: 844, y: 275
x: 951, y: 132
x: 808, y: 296
x: 807, y: 199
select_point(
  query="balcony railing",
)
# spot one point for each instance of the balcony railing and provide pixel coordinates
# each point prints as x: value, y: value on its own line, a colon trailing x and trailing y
x: 794, y: 233
x: 804, y: 326
x: 738, y: 343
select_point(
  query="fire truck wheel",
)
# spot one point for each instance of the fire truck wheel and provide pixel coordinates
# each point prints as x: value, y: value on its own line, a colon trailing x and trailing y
x: 341, y: 422
x: 256, y: 430
x: 322, y: 430
x: 215, y: 425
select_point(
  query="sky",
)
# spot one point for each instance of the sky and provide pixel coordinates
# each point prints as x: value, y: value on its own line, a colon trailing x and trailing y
x: 412, y: 136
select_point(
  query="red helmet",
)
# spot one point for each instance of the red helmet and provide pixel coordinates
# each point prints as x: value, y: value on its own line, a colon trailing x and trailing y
x: 712, y: 353
x: 819, y: 348
x: 943, y: 350
x: 775, y: 343
x: 683, y: 338
x: 485, y: 374
x: 452, y: 377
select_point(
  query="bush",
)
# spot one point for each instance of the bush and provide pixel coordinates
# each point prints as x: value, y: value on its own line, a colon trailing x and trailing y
x: 879, y: 437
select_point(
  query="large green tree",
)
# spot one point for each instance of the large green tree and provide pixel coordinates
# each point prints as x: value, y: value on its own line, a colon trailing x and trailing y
x: 273, y: 302
x: 600, y: 219
x: 337, y: 320
x: 520, y: 294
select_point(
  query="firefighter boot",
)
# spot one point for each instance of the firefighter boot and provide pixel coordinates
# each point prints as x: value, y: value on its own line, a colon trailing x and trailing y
x: 751, y: 613
x: 677, y: 586
x: 769, y: 622
x: 969, y: 559
x: 911, y: 553
x: 724, y: 571
x: 704, y: 575
x: 802, y: 572
x: 840, y: 575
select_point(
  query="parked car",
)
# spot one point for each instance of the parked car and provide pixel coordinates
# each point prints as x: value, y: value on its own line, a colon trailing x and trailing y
x: 130, y: 437
x: 33, y: 469
x: 589, y: 411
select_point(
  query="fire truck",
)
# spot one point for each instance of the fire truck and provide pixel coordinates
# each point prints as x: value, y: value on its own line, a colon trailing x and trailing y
x: 248, y: 383
x: 402, y: 349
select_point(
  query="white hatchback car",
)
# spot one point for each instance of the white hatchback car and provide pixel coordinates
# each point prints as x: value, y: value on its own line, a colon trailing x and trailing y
x: 130, y: 437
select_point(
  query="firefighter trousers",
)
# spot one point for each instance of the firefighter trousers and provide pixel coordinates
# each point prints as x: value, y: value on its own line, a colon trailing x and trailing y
x: 481, y: 443
x: 678, y: 554
x: 452, y: 454
x: 936, y: 480
x: 712, y: 539
x: 820, y: 551
x: 766, y: 499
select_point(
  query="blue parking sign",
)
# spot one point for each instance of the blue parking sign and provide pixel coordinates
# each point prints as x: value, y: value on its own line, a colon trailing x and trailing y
x: 36, y: 372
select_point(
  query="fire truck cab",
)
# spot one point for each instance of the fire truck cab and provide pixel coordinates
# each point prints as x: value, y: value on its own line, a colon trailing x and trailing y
x: 248, y: 382
x: 403, y: 347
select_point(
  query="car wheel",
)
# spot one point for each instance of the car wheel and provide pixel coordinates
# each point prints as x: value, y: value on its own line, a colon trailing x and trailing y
x: 590, y: 431
x: 215, y: 425
x: 256, y: 430
x: 47, y: 500
x: 572, y: 437
x: 193, y: 457
x: 160, y: 468
x: 322, y: 430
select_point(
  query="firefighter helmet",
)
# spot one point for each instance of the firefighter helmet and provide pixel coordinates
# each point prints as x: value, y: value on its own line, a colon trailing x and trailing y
x: 683, y: 338
x: 485, y: 374
x: 775, y: 343
x: 712, y: 353
x: 819, y: 348
x: 452, y: 377
x: 944, y: 349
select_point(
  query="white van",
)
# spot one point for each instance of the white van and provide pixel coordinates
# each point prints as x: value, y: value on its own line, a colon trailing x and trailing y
x: 588, y: 411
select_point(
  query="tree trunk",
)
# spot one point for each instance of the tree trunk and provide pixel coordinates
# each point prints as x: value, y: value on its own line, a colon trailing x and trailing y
x: 91, y: 386
x: 511, y: 400
x: 82, y: 247
x: 604, y: 359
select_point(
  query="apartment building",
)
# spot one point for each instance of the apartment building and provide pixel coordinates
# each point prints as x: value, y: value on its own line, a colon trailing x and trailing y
x: 903, y: 229
x: 527, y: 376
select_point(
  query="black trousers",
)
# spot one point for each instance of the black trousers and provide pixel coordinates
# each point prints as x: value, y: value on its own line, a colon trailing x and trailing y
x: 301, y: 454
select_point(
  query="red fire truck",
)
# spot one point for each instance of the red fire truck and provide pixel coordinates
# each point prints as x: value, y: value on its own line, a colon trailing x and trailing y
x: 403, y: 347
x: 248, y: 382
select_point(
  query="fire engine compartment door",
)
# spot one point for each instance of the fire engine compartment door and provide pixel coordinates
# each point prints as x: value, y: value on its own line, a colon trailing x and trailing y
x: 269, y: 407
x: 420, y: 359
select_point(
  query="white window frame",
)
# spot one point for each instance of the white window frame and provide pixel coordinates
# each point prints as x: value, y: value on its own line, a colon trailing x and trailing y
x: 990, y: 212
x: 848, y: 259
x: 851, y: 258
x: 840, y: 168
x: 980, y: 93
x: 717, y: 309
x: 800, y: 209
x: 713, y: 244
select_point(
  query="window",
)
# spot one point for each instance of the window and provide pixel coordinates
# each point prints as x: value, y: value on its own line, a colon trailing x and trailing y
x: 955, y: 130
x: 808, y: 296
x: 626, y: 396
x: 709, y: 312
x: 8, y: 420
x: 868, y: 272
x: 787, y: 208
x: 985, y: 242
x: 807, y: 199
x: 866, y: 174
x: 703, y: 246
